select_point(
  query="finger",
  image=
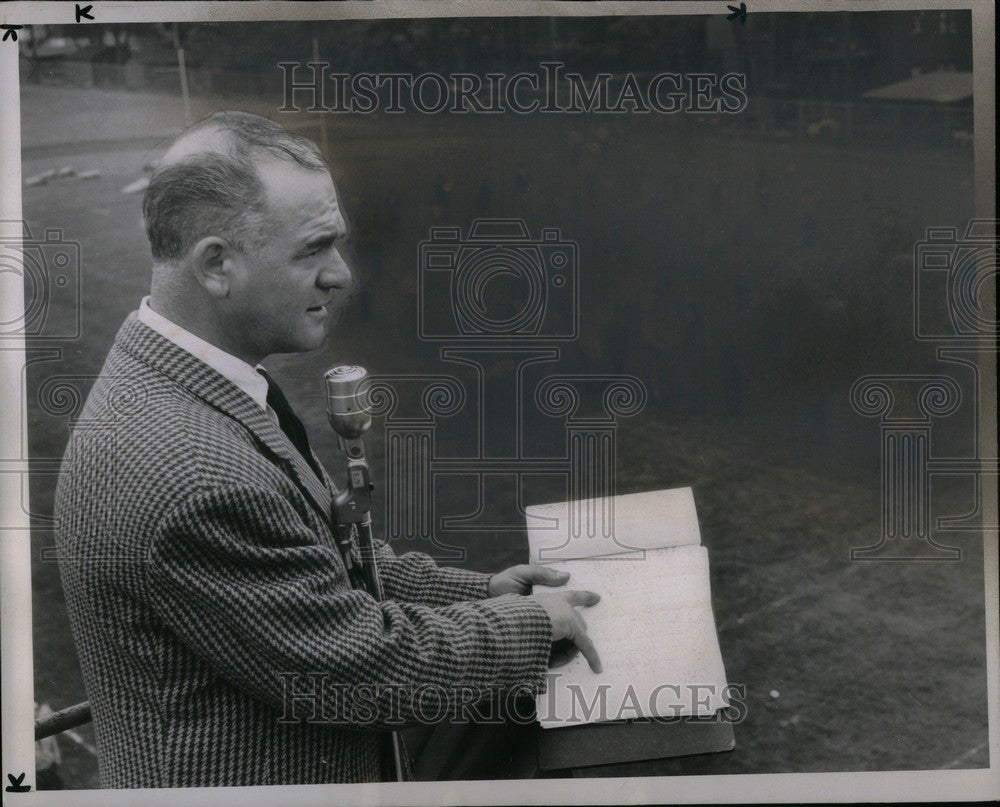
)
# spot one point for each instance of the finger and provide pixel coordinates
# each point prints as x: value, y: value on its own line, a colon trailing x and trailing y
x: 563, y: 652
x: 576, y: 597
x: 582, y: 640
x: 543, y: 575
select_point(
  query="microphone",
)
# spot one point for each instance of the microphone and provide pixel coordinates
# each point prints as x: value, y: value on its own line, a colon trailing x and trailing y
x: 350, y: 416
x: 347, y: 404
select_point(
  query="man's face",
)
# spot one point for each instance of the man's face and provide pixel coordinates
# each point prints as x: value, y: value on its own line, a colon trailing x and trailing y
x: 287, y: 291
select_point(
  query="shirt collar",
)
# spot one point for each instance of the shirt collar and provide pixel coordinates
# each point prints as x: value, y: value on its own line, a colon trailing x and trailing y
x: 235, y: 370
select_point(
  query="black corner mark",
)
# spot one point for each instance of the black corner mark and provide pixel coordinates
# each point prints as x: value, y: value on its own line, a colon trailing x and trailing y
x: 740, y: 12
x: 15, y: 785
x: 10, y: 32
x: 83, y: 13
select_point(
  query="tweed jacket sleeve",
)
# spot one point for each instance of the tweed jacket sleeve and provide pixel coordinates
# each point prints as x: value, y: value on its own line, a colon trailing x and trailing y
x: 237, y: 575
x: 415, y: 577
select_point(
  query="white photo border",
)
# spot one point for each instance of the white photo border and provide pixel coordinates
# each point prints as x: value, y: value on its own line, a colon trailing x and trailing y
x: 15, y: 548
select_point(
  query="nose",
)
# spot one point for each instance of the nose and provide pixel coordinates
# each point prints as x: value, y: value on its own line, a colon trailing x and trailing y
x: 335, y: 274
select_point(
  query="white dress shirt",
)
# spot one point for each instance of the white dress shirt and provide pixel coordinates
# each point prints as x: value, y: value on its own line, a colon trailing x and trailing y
x: 225, y: 364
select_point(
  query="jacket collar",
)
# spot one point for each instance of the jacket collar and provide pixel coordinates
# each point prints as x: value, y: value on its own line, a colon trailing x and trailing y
x: 198, y: 378
x: 242, y: 374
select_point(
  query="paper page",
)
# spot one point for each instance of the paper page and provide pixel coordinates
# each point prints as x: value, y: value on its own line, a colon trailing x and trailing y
x: 655, y: 633
x: 611, y: 525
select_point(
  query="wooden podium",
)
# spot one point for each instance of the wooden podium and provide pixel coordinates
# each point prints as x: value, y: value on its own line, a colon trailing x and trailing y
x: 595, y: 749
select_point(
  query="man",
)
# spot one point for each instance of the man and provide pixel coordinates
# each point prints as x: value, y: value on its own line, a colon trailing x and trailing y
x: 196, y: 545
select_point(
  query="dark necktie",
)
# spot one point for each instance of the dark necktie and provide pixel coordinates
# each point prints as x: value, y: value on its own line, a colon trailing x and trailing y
x: 289, y: 422
x: 296, y: 433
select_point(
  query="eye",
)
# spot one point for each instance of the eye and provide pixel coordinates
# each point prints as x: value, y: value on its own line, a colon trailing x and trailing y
x: 318, y: 247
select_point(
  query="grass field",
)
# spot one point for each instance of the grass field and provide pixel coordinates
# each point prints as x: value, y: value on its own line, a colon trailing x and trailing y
x: 747, y: 285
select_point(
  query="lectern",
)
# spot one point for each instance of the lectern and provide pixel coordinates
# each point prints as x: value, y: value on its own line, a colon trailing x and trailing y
x: 597, y: 748
x: 654, y: 627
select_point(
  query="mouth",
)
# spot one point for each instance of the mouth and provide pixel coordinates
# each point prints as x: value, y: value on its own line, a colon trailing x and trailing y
x: 318, y: 309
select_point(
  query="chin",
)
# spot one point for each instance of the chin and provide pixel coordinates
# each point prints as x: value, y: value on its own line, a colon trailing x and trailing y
x: 309, y: 342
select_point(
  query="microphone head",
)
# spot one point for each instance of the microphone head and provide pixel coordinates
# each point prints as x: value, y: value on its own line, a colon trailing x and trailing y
x: 347, y: 404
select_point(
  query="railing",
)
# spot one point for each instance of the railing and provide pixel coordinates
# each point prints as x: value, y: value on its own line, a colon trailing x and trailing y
x: 940, y: 125
x: 63, y: 720
x: 134, y: 76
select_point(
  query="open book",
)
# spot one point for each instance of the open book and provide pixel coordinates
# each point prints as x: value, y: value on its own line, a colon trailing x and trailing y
x: 653, y: 628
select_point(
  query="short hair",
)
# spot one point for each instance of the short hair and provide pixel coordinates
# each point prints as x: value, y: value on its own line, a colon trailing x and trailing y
x: 220, y: 193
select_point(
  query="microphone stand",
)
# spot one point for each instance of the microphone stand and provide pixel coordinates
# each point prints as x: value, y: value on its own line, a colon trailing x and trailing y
x: 352, y: 508
x: 352, y: 511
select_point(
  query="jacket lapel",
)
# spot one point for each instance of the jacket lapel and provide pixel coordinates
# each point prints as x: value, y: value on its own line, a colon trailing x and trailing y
x: 198, y: 378
x: 328, y: 486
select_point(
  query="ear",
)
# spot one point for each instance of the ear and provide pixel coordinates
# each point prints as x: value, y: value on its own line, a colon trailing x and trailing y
x: 215, y: 264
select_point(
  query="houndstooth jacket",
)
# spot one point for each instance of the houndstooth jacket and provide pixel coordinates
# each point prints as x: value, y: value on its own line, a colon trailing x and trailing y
x: 205, y: 589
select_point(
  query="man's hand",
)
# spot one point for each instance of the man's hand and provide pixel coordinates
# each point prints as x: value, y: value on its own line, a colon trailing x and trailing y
x: 569, y: 631
x: 520, y: 579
